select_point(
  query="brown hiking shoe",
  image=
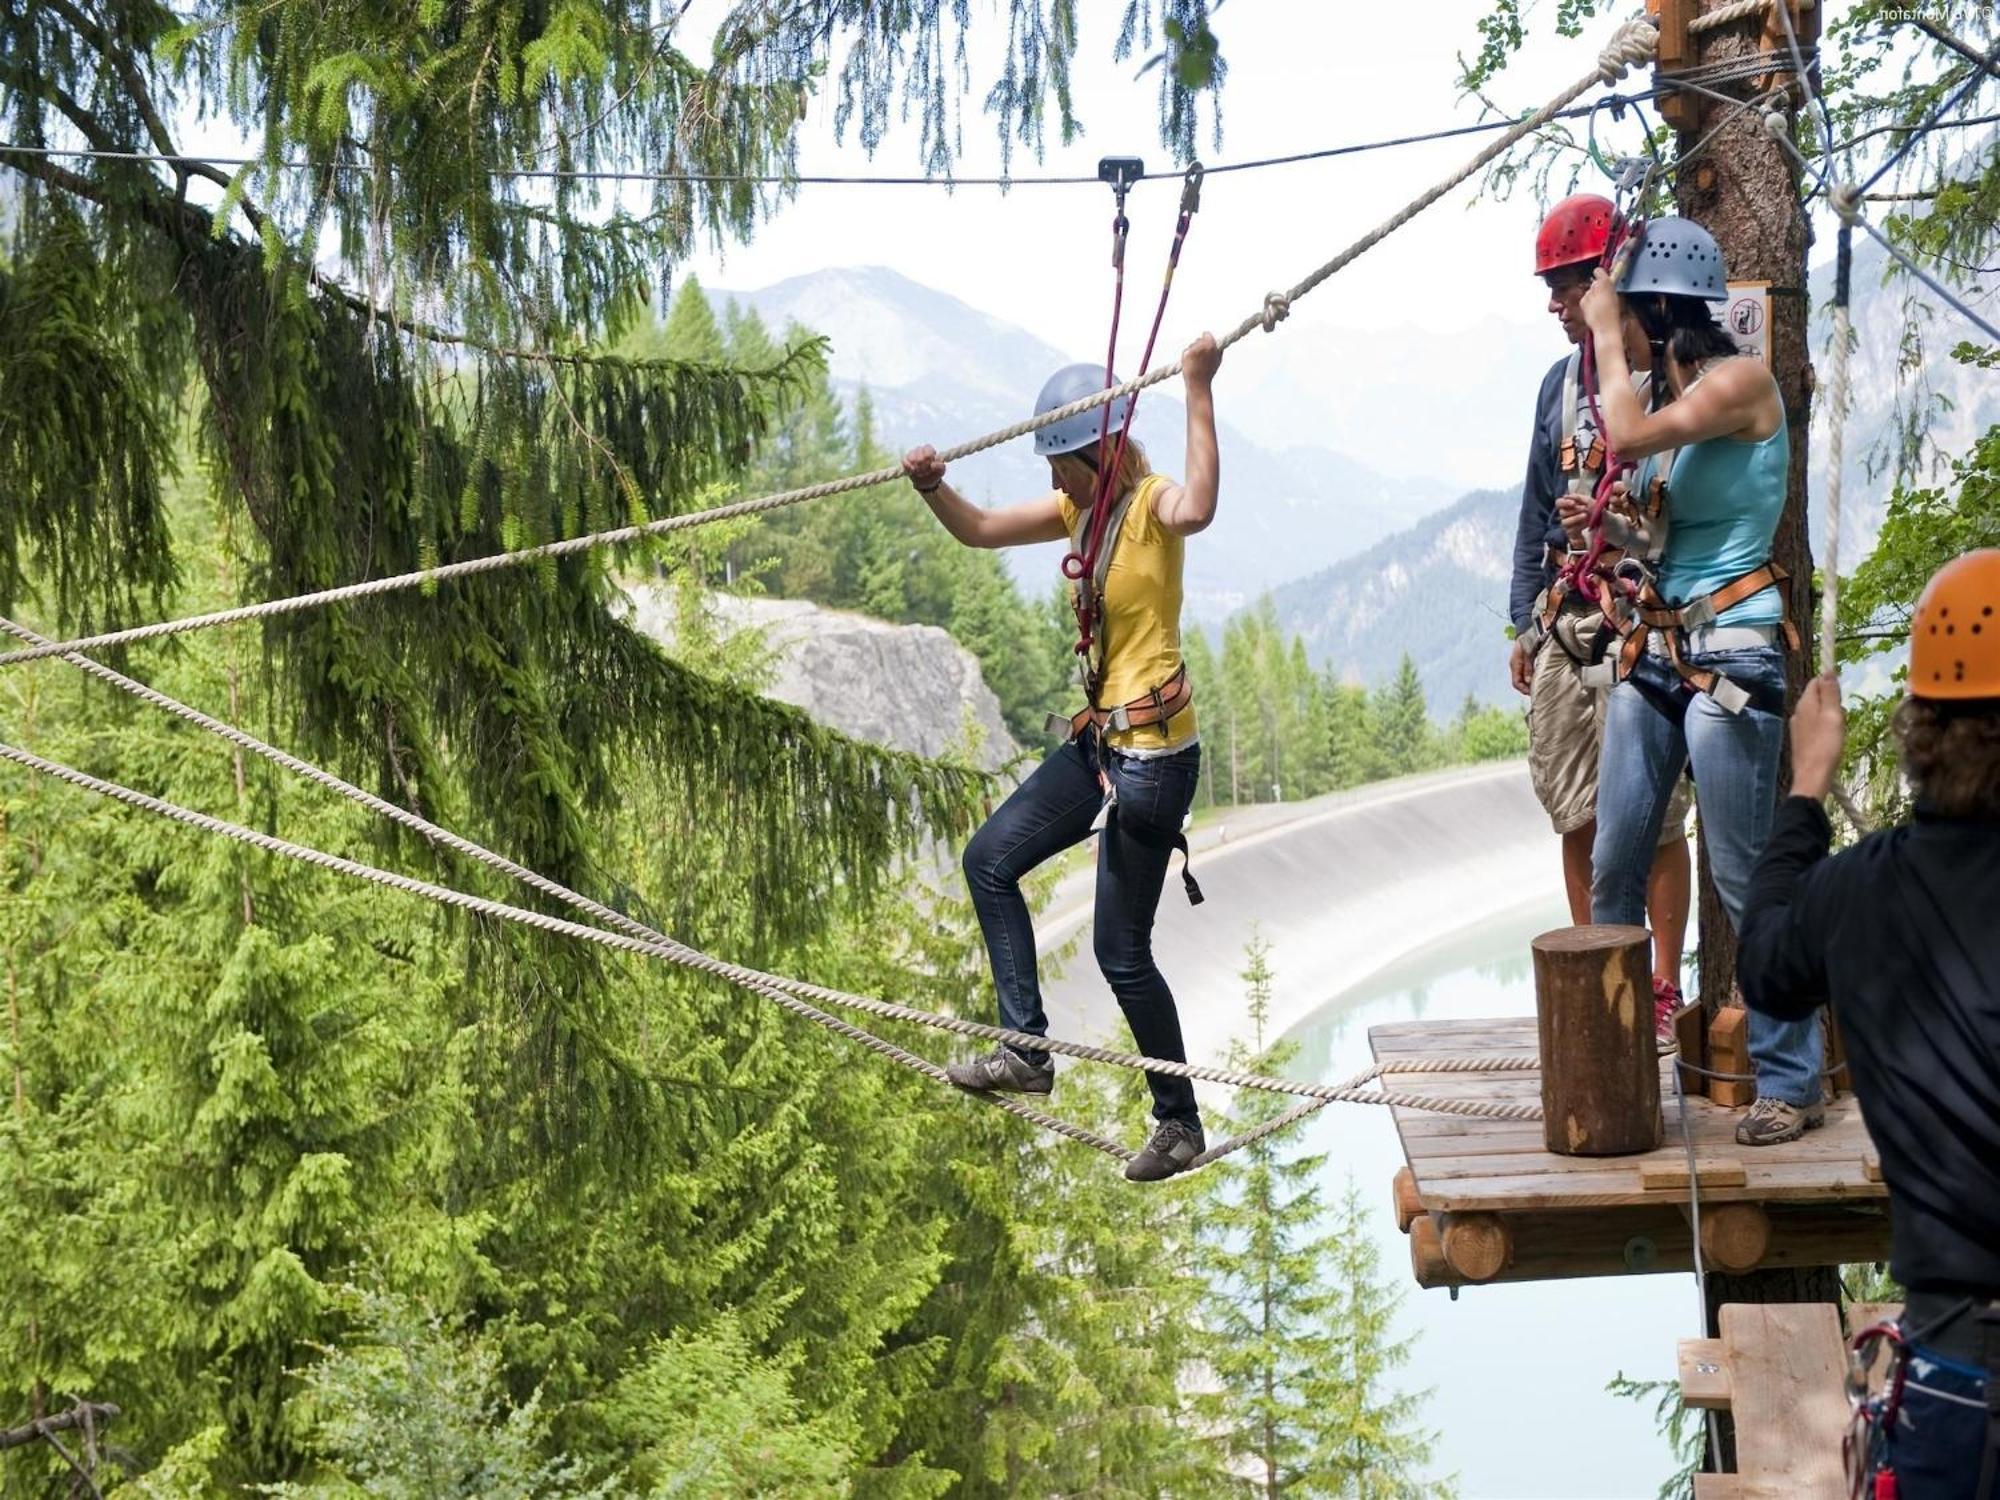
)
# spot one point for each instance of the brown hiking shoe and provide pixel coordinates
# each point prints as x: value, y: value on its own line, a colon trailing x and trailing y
x: 1772, y: 1122
x: 1174, y: 1145
x: 1003, y: 1071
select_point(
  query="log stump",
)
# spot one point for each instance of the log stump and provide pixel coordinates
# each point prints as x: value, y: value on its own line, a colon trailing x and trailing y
x: 1600, y: 1067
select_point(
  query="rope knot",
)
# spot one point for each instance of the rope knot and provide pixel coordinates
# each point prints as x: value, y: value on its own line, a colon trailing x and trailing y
x: 1277, y: 308
x: 1633, y: 44
x: 1846, y: 200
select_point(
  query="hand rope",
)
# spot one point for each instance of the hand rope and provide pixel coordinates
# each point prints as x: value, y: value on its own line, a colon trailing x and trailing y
x: 1631, y: 45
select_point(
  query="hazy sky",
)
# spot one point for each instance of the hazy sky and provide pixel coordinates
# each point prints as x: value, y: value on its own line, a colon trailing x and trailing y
x: 1301, y: 76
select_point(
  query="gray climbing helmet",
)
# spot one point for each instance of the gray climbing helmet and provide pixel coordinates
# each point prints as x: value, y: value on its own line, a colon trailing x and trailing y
x: 1073, y: 383
x: 1678, y: 258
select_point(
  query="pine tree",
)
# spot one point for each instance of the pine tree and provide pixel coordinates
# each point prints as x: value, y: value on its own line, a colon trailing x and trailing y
x: 1299, y: 1339
x: 1402, y: 721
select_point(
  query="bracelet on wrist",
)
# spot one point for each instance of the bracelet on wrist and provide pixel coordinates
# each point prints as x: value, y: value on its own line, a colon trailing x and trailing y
x: 921, y: 490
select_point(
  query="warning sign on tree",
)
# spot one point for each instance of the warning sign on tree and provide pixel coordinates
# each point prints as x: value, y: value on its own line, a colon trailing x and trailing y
x: 1746, y: 314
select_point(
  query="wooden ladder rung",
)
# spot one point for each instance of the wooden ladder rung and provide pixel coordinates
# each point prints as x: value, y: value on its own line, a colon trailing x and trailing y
x: 1704, y: 1373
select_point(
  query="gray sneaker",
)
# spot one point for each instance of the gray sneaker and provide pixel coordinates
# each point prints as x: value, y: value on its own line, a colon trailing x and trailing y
x: 1772, y: 1122
x: 1174, y: 1144
x: 1003, y: 1071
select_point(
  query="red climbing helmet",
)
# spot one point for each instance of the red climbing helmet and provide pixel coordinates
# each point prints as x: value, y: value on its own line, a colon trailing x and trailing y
x: 1577, y: 229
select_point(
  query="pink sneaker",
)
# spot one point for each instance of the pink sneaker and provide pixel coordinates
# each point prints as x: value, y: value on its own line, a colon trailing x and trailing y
x: 1666, y: 1000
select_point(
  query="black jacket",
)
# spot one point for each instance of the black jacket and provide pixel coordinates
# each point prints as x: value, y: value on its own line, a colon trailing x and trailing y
x: 1901, y: 934
x: 1538, y: 529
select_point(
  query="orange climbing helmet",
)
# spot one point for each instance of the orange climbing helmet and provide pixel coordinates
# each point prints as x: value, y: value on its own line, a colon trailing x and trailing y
x: 1955, y: 634
x: 1577, y: 229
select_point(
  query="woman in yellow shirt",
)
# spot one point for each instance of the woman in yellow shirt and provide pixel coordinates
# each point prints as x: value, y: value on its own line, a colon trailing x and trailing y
x: 1139, y: 766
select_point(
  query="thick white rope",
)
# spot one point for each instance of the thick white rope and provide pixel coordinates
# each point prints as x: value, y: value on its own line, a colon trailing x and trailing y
x: 1631, y: 45
x: 1737, y: 10
x: 654, y: 946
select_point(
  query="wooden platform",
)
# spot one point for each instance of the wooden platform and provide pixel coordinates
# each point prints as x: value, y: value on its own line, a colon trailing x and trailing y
x: 1780, y: 1370
x: 1483, y: 1200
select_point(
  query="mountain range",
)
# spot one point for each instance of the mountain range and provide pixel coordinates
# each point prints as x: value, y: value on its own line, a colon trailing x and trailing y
x: 1333, y: 444
x: 938, y: 369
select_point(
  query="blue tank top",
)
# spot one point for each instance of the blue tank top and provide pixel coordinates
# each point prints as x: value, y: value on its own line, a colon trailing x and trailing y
x: 1724, y: 499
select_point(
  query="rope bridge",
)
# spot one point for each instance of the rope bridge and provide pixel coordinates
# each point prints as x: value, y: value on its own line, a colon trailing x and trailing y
x: 1632, y: 44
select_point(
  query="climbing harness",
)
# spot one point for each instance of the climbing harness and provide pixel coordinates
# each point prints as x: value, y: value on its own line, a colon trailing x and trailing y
x: 1587, y: 572
x: 1868, y: 1446
x: 1616, y: 570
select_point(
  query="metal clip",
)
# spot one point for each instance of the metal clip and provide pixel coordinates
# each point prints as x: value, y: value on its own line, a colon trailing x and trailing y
x: 1728, y: 696
x: 1121, y: 172
x: 1191, y: 187
x: 1059, y: 725
x: 1599, y: 676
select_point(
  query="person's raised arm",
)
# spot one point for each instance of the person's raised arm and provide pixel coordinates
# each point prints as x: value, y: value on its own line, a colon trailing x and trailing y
x: 1038, y: 520
x: 1189, y: 506
x: 1732, y: 401
x: 1788, y: 924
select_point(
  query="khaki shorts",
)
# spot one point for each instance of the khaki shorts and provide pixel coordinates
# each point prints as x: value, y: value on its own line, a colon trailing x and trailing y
x: 1566, y: 732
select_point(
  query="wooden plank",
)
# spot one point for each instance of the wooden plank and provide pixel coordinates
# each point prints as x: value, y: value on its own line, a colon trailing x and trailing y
x: 1786, y: 1364
x: 1719, y: 1487
x: 1729, y: 1052
x: 1871, y: 1164
x: 1704, y: 1374
x: 1501, y: 1191
x: 1669, y: 1172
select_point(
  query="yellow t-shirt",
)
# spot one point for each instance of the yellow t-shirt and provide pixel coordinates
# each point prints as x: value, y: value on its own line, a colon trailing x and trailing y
x: 1142, y: 617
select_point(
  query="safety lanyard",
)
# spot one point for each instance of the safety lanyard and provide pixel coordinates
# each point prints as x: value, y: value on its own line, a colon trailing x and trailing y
x: 1584, y: 572
x: 1080, y: 566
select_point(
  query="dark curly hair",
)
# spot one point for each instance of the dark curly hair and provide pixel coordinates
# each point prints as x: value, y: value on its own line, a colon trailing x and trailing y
x: 1951, y: 753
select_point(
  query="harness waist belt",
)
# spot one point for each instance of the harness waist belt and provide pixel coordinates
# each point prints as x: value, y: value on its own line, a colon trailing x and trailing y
x: 1951, y: 1325
x: 1704, y: 611
x: 1702, y: 639
x: 1156, y: 707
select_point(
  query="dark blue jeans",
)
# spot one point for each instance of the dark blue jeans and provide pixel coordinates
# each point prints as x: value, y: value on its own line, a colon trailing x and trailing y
x: 1941, y: 1430
x: 1052, y: 811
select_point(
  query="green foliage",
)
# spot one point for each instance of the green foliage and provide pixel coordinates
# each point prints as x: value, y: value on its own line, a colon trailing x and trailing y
x: 1402, y: 725
x: 711, y: 1419
x: 1925, y: 528
x: 1682, y: 1427
x: 1484, y: 733
x: 1273, y: 728
x: 409, y: 1409
x: 1298, y: 1327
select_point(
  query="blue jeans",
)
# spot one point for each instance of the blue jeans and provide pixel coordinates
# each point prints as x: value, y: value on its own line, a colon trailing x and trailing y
x: 1734, y: 758
x: 1050, y: 812
x: 1940, y: 1432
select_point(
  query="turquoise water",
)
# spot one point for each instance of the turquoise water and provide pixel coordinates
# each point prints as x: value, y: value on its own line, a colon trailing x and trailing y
x: 1516, y: 1373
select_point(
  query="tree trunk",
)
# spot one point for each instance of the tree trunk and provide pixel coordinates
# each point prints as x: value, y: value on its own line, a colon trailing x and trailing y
x: 1745, y: 189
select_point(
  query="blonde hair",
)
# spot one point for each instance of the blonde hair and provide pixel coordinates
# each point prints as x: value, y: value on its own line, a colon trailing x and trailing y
x: 1073, y: 473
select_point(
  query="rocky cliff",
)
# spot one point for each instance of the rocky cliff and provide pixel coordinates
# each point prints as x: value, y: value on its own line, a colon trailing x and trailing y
x: 911, y: 687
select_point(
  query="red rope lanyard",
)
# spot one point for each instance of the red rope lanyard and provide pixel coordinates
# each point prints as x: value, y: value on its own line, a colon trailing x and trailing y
x: 1582, y: 571
x: 1081, y: 567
